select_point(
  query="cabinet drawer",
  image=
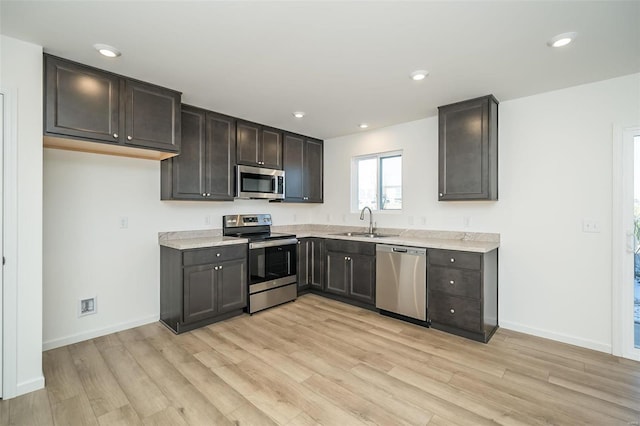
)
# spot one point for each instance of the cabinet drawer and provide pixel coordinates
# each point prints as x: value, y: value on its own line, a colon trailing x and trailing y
x: 460, y: 312
x: 458, y: 282
x: 351, y: 247
x: 457, y: 259
x: 213, y: 254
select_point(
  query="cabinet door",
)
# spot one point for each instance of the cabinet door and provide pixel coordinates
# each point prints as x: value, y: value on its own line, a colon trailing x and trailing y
x: 293, y: 164
x: 337, y: 273
x: 361, y: 278
x: 271, y: 155
x: 232, y: 285
x: 81, y: 101
x: 220, y: 157
x: 303, y: 262
x: 248, y: 143
x: 200, y: 296
x: 467, y: 154
x: 152, y: 116
x: 188, y: 167
x: 313, y: 170
x: 316, y: 268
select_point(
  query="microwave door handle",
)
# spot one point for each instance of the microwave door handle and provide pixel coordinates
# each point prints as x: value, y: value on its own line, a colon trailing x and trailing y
x: 273, y: 184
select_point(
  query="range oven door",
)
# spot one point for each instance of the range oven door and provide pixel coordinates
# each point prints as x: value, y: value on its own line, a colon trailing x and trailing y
x: 272, y: 264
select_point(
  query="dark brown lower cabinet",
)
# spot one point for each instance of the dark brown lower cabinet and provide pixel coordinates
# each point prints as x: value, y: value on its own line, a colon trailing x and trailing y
x: 310, y: 263
x: 201, y: 286
x: 350, y: 270
x: 463, y: 292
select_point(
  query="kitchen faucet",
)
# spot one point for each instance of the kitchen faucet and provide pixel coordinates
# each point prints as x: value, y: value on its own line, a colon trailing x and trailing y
x: 370, y: 218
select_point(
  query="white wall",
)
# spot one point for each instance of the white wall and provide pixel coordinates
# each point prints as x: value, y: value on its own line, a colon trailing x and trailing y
x: 21, y: 75
x: 87, y: 254
x: 555, y: 168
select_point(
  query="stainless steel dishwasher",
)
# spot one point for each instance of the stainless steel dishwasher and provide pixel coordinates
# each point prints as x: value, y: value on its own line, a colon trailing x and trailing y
x: 401, y: 280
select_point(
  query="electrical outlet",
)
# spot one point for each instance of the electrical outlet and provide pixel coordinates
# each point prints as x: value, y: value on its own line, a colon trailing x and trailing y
x: 423, y: 220
x: 87, y: 306
x: 295, y: 218
x: 207, y: 220
x: 410, y: 220
x: 124, y: 222
x: 590, y: 226
x: 466, y: 221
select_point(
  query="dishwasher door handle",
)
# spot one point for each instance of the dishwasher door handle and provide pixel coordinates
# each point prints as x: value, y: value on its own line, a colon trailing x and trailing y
x: 399, y: 250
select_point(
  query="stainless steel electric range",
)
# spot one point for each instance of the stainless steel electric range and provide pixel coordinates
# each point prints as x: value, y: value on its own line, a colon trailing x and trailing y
x: 272, y: 260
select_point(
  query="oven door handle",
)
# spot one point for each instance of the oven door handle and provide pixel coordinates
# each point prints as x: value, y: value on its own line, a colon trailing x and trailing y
x: 273, y: 243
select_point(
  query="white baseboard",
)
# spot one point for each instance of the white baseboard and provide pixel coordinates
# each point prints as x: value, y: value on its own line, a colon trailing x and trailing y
x: 572, y: 340
x: 90, y: 334
x: 30, y: 386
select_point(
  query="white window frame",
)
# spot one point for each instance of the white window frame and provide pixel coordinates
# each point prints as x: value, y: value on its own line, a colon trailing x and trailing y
x: 354, y: 179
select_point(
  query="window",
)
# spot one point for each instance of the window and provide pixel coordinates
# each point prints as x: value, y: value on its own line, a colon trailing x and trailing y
x: 377, y: 181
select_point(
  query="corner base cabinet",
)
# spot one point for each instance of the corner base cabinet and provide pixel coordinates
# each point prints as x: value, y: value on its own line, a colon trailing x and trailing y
x: 310, y: 264
x: 202, y: 286
x: 463, y: 292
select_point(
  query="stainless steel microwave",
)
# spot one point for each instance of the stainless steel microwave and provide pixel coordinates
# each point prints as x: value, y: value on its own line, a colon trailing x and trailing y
x: 256, y: 182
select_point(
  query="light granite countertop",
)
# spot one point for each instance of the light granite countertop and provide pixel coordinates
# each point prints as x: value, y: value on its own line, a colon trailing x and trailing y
x: 201, y: 242
x: 446, y: 240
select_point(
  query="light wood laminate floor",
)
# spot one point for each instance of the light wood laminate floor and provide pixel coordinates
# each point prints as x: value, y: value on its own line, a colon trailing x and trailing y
x: 317, y: 361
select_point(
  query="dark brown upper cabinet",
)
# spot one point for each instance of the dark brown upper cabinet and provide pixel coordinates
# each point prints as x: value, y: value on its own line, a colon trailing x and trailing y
x: 125, y: 116
x: 303, y: 167
x: 204, y: 169
x: 258, y: 145
x: 468, y: 150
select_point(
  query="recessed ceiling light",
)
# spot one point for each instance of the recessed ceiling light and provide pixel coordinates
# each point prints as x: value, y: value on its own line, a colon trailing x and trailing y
x: 298, y: 114
x: 106, y: 50
x: 561, y: 39
x: 363, y: 125
x: 419, y: 75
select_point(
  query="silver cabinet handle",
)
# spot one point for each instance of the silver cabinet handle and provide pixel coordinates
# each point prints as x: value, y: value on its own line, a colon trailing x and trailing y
x: 129, y: 138
x: 204, y: 195
x: 221, y: 268
x: 441, y: 194
x: 208, y: 194
x: 215, y: 268
x: 115, y: 136
x: 217, y: 254
x: 452, y: 282
x: 453, y: 311
x: 452, y: 260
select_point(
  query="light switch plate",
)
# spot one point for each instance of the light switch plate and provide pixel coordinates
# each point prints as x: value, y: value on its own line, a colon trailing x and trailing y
x: 590, y: 226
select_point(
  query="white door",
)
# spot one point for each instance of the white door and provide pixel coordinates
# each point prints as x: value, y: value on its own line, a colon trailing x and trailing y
x: 626, y: 297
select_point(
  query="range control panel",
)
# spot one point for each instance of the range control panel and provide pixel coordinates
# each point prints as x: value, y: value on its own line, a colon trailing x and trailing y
x: 241, y: 220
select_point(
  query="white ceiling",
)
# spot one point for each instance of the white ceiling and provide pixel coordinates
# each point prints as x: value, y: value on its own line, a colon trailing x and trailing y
x: 342, y: 63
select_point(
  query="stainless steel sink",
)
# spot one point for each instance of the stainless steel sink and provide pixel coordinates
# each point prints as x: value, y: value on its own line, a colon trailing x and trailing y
x: 366, y: 234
